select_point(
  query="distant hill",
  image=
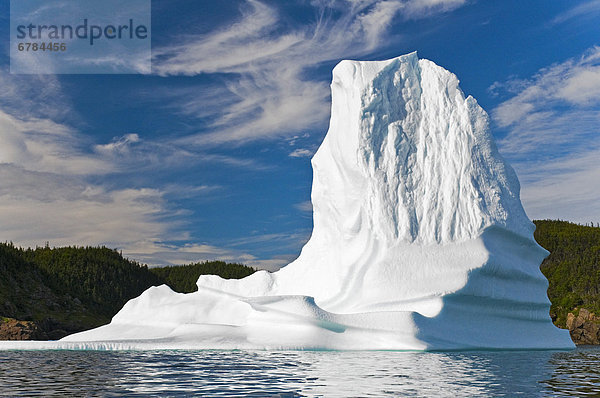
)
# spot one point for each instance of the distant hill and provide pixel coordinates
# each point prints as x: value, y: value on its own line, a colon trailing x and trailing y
x: 69, y: 289
x: 572, y: 268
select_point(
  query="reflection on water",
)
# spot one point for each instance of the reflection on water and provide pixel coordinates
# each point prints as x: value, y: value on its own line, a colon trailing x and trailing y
x: 300, y: 373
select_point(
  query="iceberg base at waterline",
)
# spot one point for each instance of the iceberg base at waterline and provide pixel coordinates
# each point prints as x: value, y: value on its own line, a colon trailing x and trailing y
x: 420, y: 241
x: 469, y: 318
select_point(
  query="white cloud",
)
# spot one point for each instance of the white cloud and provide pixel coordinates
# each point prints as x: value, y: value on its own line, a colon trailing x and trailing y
x: 40, y: 144
x: 131, y: 151
x: 573, y: 82
x: 566, y: 189
x: 418, y: 9
x: 553, y: 124
x: 33, y: 96
x: 227, y: 50
x: 154, y: 253
x: 588, y: 9
x: 160, y: 254
x: 267, y: 61
x: 38, y: 207
x: 304, y: 206
x: 121, y: 59
x: 67, y: 211
x: 279, y: 240
x: 32, y: 138
x: 301, y: 153
x: 551, y: 133
x: 119, y: 145
x: 375, y: 22
x: 45, y: 196
x: 582, y: 87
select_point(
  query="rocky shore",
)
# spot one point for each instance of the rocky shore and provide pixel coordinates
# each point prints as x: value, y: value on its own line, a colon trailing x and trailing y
x: 584, y: 327
x: 12, y: 329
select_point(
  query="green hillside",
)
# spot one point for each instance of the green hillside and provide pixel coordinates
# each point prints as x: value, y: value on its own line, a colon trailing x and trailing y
x: 99, y: 277
x: 572, y: 268
x: 26, y: 294
x: 69, y: 289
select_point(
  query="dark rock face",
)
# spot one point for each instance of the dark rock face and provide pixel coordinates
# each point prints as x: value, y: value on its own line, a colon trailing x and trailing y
x: 12, y: 329
x: 584, y: 328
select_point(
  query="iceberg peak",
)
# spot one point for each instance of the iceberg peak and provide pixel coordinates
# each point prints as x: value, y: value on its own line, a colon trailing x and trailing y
x: 424, y: 165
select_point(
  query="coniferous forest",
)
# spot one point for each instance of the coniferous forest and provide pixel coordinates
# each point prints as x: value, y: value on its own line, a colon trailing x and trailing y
x: 69, y: 289
x: 182, y: 278
x: 572, y: 268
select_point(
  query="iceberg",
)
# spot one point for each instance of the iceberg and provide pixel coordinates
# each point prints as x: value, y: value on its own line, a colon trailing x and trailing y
x: 420, y: 241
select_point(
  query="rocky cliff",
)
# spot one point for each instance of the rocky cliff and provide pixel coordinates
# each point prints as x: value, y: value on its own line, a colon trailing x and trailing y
x: 584, y: 327
x: 12, y: 329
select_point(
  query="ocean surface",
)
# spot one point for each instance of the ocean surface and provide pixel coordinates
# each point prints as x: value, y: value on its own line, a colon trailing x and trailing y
x: 301, y: 373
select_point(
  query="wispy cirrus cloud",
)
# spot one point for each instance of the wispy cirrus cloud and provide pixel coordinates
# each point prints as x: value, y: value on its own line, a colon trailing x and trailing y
x: 131, y: 151
x: 268, y: 62
x: 33, y: 130
x: 588, y: 9
x: 575, y: 82
x: 159, y: 253
x: 564, y: 188
x: 302, y: 153
x: 553, y: 128
x: 305, y: 206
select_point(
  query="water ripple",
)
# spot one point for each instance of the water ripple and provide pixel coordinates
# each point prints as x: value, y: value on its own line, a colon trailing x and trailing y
x: 300, y: 373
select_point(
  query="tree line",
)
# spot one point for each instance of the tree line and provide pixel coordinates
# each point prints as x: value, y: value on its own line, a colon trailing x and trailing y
x: 77, y: 288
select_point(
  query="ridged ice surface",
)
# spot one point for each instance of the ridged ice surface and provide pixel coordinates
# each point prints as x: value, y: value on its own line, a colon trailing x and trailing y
x: 420, y: 241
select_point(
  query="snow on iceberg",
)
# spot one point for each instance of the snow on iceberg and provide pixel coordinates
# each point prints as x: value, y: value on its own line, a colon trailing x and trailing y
x: 420, y: 241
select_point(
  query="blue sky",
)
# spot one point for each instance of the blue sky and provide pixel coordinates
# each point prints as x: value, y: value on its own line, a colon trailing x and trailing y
x: 208, y: 157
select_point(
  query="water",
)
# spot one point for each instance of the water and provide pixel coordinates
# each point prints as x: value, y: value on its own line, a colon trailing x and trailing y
x: 300, y: 373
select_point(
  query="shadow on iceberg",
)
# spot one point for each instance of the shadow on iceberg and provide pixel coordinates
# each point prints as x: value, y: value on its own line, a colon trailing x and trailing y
x: 503, y: 305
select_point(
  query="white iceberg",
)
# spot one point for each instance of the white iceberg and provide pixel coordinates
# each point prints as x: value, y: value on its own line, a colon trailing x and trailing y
x: 420, y: 241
